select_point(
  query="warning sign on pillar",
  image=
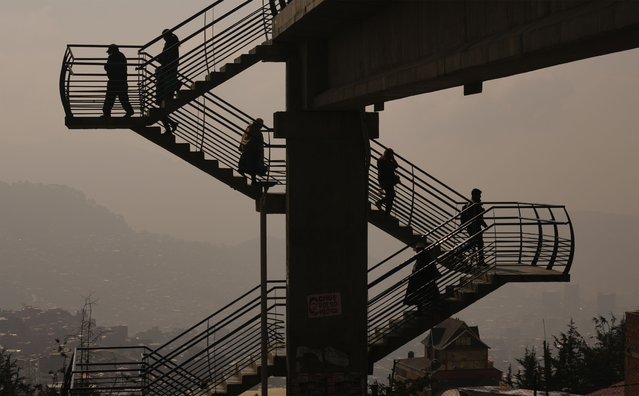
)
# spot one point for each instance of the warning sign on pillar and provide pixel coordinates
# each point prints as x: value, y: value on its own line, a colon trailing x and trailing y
x: 323, y: 305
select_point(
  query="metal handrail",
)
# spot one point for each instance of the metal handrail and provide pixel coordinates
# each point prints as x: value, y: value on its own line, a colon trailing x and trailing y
x: 422, y: 201
x: 230, y: 334
x: 239, y: 26
x: 214, y: 127
x: 519, y: 234
x: 83, y: 80
x: 510, y: 239
x: 107, y: 369
x: 193, y: 362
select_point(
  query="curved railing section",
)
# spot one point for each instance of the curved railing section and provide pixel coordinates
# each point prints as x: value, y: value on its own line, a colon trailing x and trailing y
x: 83, y: 80
x: 517, y: 234
x: 210, y: 38
x: 209, y: 123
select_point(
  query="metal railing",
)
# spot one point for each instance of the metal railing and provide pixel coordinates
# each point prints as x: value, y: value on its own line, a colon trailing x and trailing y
x: 83, y: 80
x: 198, y: 360
x: 210, y: 38
x: 214, y: 126
x: 219, y: 347
x: 106, y: 370
x: 422, y: 202
x: 209, y: 123
x: 518, y: 234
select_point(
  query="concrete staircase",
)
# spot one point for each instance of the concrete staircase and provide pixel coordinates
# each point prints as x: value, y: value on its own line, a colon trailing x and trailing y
x: 196, y: 158
x: 266, y: 51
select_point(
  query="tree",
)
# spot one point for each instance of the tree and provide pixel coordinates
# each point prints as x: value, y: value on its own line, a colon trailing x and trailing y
x: 11, y: 383
x: 509, y: 376
x: 604, y: 361
x: 576, y: 366
x: 530, y: 375
x: 568, y: 364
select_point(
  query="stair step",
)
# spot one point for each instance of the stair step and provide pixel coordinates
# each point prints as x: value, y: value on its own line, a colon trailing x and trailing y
x: 184, y: 147
x: 213, y: 78
x: 210, y: 164
x: 225, y: 172
x: 269, y: 52
x: 247, y: 58
x: 187, y: 94
x: 197, y: 155
x: 231, y: 68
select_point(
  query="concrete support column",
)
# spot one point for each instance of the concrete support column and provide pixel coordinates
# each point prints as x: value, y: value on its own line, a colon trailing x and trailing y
x: 326, y: 227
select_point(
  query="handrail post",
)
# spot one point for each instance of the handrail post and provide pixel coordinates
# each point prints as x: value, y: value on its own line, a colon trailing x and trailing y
x: 145, y: 374
x: 263, y: 291
x: 540, y: 238
x: 521, y: 234
x: 412, y: 195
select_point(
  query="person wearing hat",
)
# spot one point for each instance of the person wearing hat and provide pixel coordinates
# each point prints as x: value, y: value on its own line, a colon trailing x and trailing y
x: 252, y: 148
x: 474, y: 228
x: 166, y: 74
x: 117, y: 86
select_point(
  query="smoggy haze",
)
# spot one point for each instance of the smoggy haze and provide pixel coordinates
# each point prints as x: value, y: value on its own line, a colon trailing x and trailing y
x: 568, y: 134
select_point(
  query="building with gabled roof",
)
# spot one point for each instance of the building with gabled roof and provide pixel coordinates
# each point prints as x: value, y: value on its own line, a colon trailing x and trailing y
x: 454, y: 356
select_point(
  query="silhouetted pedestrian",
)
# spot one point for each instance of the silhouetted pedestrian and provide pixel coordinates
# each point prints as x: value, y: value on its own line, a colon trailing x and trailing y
x: 422, y: 286
x: 474, y: 212
x: 252, y: 148
x: 167, y: 74
x: 117, y: 86
x: 386, y: 166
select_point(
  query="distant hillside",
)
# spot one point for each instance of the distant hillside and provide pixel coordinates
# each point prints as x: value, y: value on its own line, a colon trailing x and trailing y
x: 57, y: 247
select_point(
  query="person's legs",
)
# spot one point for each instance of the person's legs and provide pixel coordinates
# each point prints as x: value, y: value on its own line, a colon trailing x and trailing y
x: 123, y: 95
x: 480, y: 249
x: 390, y: 198
x: 109, y: 100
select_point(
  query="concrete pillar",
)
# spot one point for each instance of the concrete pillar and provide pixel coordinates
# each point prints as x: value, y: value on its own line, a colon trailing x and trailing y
x: 326, y: 228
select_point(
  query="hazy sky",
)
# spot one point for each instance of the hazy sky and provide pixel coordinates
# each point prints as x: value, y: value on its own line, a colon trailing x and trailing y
x: 564, y: 135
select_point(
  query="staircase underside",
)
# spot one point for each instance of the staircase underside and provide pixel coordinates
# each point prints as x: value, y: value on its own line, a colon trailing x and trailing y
x: 413, y: 324
x: 390, y: 225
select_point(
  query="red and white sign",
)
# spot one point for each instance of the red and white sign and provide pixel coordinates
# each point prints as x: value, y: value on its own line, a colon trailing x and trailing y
x: 322, y: 305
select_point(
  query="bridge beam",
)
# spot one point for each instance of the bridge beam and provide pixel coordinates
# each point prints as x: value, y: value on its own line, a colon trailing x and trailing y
x: 378, y: 51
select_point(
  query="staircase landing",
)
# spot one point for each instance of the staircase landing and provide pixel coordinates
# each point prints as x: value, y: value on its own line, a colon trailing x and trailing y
x: 527, y: 273
x: 105, y: 122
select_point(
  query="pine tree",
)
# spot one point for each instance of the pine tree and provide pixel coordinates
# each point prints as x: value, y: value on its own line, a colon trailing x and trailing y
x: 509, y: 376
x: 530, y: 377
x: 11, y: 383
x: 604, y: 361
x: 568, y: 364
